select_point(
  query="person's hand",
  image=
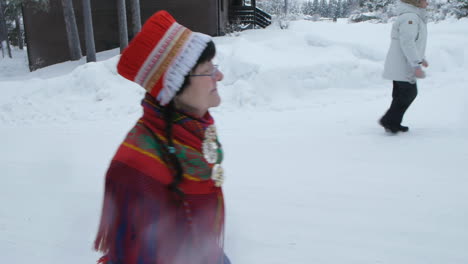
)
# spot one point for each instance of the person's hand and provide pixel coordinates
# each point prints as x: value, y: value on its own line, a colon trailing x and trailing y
x: 419, y: 73
x: 425, y: 64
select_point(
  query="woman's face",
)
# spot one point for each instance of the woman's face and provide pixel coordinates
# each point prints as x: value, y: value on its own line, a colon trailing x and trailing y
x: 423, y: 4
x: 202, y: 93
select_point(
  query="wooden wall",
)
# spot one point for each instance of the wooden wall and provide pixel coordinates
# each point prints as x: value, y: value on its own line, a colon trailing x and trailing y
x: 46, y: 36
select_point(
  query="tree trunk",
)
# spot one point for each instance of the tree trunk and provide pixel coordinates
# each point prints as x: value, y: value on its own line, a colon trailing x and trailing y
x: 19, y: 33
x: 89, y: 32
x: 285, y: 7
x: 72, y: 30
x: 123, y: 32
x: 136, y: 16
x: 4, y: 42
x: 8, y: 48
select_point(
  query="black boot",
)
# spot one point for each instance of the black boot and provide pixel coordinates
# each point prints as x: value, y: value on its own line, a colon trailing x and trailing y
x: 388, y: 127
x: 403, y: 128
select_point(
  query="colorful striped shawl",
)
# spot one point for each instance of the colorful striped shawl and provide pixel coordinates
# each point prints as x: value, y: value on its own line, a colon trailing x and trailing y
x: 142, y: 220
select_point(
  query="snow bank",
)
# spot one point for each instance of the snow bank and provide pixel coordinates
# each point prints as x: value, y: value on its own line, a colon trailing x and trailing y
x: 267, y: 69
x: 93, y: 91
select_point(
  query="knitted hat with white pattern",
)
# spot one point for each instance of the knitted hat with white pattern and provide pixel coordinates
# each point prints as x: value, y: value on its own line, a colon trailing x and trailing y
x: 161, y: 55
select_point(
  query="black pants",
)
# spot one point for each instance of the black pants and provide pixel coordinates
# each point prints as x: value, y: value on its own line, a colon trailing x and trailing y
x: 403, y: 95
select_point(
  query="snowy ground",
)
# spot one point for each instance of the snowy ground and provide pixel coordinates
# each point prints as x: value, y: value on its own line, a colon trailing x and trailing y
x: 312, y: 178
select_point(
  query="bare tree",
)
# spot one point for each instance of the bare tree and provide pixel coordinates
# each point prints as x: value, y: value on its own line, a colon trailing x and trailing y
x: 89, y: 32
x: 136, y: 16
x: 4, y: 43
x: 72, y: 30
x: 123, y: 31
x: 19, y: 33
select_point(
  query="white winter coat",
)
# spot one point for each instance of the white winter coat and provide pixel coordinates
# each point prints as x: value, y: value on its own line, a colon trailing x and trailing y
x: 408, y: 45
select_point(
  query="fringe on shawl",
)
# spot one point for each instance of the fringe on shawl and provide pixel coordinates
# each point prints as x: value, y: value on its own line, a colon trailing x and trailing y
x: 143, y: 222
x: 137, y: 213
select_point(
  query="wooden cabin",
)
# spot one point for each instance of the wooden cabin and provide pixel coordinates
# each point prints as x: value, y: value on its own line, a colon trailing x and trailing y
x: 46, y: 35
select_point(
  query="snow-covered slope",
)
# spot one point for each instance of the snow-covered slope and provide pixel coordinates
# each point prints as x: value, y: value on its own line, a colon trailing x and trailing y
x: 311, y: 176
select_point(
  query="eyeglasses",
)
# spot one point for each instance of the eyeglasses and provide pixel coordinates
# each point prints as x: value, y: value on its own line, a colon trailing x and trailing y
x: 212, y: 74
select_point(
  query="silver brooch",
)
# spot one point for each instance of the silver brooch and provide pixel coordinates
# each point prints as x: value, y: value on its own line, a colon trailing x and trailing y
x: 217, y: 175
x: 209, y: 146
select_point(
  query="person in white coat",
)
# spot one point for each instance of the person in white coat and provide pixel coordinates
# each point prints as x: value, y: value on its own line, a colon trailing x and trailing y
x: 405, y: 59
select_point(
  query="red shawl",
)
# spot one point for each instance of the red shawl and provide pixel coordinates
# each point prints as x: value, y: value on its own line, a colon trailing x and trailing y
x: 142, y: 221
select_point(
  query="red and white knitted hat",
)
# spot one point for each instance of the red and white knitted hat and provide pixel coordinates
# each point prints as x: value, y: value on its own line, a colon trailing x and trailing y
x: 161, y: 55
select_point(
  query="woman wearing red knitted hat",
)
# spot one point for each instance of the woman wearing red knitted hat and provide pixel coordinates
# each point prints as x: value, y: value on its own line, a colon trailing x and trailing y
x: 163, y: 202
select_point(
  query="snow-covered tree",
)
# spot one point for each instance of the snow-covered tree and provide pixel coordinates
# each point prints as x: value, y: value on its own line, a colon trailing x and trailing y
x: 335, y: 8
x: 345, y: 8
x: 273, y: 7
x: 353, y: 6
x: 316, y: 7
x: 460, y: 8
x: 278, y: 7
x: 323, y: 8
x: 331, y: 8
x: 339, y: 8
x: 374, y: 5
x: 308, y: 8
